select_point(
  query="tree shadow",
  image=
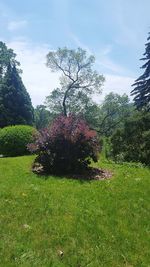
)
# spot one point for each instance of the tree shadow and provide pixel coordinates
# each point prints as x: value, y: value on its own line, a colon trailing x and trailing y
x: 88, y: 175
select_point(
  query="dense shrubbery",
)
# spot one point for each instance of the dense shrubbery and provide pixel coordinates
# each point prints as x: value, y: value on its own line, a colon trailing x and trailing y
x: 68, y: 146
x: 132, y: 143
x: 14, y: 140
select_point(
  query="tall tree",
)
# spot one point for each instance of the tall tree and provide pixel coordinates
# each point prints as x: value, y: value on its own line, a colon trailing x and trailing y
x: 15, y: 102
x: 77, y: 74
x: 142, y: 84
x: 7, y: 57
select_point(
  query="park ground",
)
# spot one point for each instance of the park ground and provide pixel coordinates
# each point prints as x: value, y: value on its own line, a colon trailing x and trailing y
x: 60, y: 222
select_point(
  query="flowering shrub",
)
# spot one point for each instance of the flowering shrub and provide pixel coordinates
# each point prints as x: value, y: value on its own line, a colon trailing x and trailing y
x: 67, y: 146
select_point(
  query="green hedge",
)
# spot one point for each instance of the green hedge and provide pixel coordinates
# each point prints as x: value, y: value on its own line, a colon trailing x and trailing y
x: 14, y: 140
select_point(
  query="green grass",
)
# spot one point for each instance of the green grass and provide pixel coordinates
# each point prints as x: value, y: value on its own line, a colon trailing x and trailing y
x: 97, y: 223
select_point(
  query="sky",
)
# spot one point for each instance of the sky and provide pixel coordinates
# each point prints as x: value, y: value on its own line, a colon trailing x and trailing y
x: 114, y: 31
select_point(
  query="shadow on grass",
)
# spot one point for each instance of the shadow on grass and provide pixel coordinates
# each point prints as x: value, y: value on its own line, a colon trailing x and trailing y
x: 88, y: 175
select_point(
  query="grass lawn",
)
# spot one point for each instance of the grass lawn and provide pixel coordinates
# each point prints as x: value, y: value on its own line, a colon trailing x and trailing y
x: 97, y: 223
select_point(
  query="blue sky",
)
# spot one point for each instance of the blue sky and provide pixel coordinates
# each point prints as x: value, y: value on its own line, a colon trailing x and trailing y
x: 115, y: 31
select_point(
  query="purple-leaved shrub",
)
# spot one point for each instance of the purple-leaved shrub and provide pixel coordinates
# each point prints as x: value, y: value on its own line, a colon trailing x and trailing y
x: 67, y: 146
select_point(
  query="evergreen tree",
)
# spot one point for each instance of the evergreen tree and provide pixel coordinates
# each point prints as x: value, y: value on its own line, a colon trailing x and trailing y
x: 15, y: 102
x: 142, y: 84
x: 7, y: 57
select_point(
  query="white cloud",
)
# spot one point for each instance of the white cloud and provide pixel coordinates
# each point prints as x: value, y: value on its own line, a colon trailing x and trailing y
x: 17, y: 25
x: 38, y: 79
x: 103, y: 58
x: 118, y: 84
x: 106, y: 63
x: 79, y: 43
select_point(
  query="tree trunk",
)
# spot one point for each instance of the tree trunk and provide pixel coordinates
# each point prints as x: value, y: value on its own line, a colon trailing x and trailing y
x: 64, y: 107
x: 64, y: 101
x: 65, y: 97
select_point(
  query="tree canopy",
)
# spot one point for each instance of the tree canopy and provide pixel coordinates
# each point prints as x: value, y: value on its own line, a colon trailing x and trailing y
x: 42, y: 117
x: 7, y: 57
x: 15, y: 102
x: 78, y: 77
x: 142, y: 84
x: 114, y: 111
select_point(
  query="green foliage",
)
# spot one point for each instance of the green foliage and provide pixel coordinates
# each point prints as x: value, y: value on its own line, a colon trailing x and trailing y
x: 77, y: 78
x: 142, y: 84
x: 95, y: 224
x: 14, y: 140
x: 54, y: 101
x: 7, y: 57
x: 114, y: 111
x: 132, y: 143
x: 92, y: 114
x: 78, y: 103
x: 42, y: 117
x: 15, y: 102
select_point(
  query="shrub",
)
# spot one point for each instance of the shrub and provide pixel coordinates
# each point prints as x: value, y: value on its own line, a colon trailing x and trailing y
x: 133, y: 142
x: 14, y: 140
x: 67, y: 146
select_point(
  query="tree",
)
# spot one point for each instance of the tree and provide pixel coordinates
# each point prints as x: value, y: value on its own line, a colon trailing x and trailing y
x: 132, y: 142
x: 7, y: 57
x: 54, y: 101
x: 114, y: 110
x: 15, y: 102
x: 77, y: 75
x: 142, y: 84
x: 77, y: 103
x: 42, y: 117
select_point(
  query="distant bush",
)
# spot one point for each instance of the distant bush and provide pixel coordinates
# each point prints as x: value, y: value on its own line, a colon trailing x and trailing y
x: 132, y: 143
x: 68, y: 146
x: 14, y: 140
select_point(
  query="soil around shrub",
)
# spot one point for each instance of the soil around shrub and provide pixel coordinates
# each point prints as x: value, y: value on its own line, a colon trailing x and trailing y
x: 91, y: 173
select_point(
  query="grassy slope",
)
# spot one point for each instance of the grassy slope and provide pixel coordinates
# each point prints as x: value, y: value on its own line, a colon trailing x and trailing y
x: 99, y: 223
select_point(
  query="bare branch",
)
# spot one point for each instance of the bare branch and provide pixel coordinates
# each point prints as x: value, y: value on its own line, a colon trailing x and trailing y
x: 76, y: 68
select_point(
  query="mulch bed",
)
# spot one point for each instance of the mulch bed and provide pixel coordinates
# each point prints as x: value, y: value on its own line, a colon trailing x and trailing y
x: 89, y: 174
x: 93, y: 174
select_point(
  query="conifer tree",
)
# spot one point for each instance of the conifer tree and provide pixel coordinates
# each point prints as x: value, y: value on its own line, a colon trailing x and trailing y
x: 15, y: 102
x: 7, y: 57
x: 142, y: 84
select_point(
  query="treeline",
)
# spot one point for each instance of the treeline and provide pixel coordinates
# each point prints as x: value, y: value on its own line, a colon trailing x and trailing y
x: 123, y: 125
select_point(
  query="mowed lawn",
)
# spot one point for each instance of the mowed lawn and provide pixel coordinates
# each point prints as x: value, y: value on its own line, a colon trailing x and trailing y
x: 97, y: 223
